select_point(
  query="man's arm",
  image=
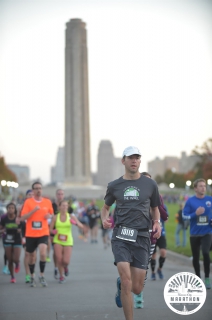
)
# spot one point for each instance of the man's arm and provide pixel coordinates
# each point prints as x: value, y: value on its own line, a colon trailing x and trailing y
x: 105, y: 217
x: 156, y: 225
x: 187, y: 213
x: 29, y: 214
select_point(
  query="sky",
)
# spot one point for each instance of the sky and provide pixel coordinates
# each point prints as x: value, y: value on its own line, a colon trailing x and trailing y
x: 150, y: 77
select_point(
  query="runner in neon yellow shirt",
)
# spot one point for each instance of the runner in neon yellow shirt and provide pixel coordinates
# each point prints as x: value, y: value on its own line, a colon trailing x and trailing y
x: 61, y: 227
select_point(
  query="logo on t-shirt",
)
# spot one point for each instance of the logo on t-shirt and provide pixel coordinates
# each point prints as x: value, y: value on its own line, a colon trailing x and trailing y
x: 208, y: 204
x: 131, y: 193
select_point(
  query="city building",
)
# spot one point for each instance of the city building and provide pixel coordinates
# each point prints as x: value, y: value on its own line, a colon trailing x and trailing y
x: 77, y: 133
x: 108, y: 167
x: 57, y: 172
x: 179, y: 165
x: 22, y: 173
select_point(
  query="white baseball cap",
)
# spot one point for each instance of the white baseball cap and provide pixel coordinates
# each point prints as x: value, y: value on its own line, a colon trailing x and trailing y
x: 130, y: 151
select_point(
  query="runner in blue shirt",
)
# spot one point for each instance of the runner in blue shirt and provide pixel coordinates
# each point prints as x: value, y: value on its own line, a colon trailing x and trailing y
x: 198, y: 209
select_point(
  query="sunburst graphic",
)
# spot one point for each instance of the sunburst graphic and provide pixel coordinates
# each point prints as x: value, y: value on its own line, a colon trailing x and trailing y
x: 184, y: 293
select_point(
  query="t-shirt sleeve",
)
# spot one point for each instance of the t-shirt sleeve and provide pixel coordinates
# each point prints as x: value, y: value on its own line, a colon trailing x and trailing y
x: 25, y: 209
x: 109, y: 197
x: 155, y: 198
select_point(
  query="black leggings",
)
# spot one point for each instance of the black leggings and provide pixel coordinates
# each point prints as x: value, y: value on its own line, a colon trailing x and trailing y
x: 205, y: 243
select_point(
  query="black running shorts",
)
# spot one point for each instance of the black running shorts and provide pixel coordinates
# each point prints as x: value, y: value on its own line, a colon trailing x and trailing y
x: 136, y: 253
x: 33, y: 243
x: 160, y: 243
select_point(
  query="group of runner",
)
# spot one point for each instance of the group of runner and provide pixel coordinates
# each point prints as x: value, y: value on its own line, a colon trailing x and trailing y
x: 38, y: 221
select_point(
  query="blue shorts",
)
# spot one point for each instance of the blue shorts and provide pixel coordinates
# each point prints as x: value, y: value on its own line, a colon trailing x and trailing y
x: 7, y: 245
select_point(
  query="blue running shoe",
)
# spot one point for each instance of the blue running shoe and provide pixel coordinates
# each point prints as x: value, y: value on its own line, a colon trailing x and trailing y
x: 118, y: 293
x: 160, y: 274
x: 207, y: 283
x: 139, y: 300
x: 153, y: 277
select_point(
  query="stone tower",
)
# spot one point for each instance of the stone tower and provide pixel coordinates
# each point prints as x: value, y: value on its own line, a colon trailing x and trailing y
x: 77, y: 135
x: 105, y: 163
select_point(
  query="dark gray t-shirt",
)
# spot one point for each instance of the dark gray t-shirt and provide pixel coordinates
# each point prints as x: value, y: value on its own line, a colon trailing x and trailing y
x: 133, y: 201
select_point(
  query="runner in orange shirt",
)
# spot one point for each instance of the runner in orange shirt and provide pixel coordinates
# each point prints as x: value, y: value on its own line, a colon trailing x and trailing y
x: 36, y: 211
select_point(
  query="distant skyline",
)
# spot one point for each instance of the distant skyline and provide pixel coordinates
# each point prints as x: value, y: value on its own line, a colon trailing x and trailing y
x: 149, y: 70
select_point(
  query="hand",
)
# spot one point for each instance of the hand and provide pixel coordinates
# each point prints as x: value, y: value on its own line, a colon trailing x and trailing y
x: 200, y: 211
x: 73, y: 221
x: 36, y: 208
x: 18, y: 220
x: 54, y: 231
x: 47, y: 216
x: 106, y: 223
x: 156, y: 230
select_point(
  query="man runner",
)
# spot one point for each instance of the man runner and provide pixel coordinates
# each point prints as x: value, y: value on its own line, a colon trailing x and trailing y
x: 133, y: 194
x: 37, y: 210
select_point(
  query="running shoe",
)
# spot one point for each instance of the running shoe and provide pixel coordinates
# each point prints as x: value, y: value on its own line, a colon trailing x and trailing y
x: 13, y: 280
x: 6, y: 270
x: 43, y: 281
x: 27, y: 278
x: 66, y: 271
x: 139, y: 300
x: 48, y: 259
x: 153, y: 277
x: 160, y: 274
x: 17, y: 267
x: 56, y: 273
x: 118, y: 293
x: 207, y: 283
x: 62, y: 280
x: 32, y: 282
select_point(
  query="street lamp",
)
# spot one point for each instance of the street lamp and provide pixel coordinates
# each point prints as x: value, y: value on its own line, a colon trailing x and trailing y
x: 188, y: 183
x: 9, y: 184
x: 171, y: 185
x: 209, y: 182
x: 3, y: 183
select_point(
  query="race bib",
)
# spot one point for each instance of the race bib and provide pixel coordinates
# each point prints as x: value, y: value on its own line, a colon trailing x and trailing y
x: 127, y: 234
x: 62, y: 237
x: 9, y: 238
x: 36, y: 225
x: 202, y: 220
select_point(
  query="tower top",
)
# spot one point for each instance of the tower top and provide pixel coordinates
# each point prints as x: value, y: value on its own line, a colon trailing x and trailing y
x: 75, y: 21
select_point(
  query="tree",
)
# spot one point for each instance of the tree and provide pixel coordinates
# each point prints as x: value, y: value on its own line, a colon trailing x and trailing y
x: 203, y: 168
x: 5, y: 172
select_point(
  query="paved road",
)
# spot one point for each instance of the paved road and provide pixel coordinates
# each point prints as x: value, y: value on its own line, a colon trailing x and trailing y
x: 89, y: 291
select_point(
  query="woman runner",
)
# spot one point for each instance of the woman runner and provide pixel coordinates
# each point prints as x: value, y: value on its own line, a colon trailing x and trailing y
x: 12, y: 239
x: 61, y: 227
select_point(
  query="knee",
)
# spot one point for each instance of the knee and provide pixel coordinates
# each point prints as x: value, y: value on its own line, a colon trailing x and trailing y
x: 126, y: 284
x: 137, y: 289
